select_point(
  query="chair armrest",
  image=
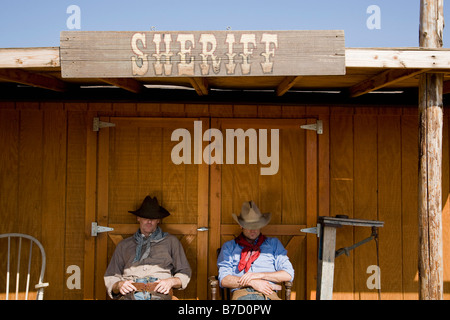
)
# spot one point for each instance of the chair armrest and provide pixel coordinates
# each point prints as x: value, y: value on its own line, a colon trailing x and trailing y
x: 288, y: 287
x: 213, y: 284
x: 41, y: 285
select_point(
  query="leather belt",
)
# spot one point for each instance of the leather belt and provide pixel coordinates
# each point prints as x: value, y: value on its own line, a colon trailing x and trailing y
x: 140, y: 286
x: 150, y: 287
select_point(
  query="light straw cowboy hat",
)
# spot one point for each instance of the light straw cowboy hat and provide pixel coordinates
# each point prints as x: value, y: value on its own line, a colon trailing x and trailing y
x: 251, y: 218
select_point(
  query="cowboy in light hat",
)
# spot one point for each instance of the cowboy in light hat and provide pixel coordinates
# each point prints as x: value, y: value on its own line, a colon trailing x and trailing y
x: 251, y: 217
x: 152, y: 262
x: 263, y: 261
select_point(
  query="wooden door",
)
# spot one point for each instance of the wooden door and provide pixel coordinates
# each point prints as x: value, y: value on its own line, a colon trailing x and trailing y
x: 290, y: 194
x: 134, y: 160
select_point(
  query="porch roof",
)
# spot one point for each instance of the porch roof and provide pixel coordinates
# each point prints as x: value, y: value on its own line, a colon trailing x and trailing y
x: 367, y: 70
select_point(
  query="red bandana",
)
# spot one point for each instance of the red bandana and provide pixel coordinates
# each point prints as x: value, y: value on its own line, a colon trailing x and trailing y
x: 250, y: 252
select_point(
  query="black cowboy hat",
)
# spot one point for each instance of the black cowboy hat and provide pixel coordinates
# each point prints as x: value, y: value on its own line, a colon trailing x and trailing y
x: 150, y: 209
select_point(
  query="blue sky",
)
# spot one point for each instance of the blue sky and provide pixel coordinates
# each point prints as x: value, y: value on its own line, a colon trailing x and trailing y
x: 37, y: 23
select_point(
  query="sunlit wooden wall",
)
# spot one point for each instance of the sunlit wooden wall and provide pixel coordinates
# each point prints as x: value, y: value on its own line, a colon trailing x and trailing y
x: 367, y: 168
x: 373, y: 175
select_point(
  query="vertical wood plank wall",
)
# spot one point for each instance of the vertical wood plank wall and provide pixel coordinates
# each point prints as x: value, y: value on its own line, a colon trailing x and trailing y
x: 367, y: 169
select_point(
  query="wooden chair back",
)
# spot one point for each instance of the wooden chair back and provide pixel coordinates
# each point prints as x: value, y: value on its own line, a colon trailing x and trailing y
x: 30, y: 263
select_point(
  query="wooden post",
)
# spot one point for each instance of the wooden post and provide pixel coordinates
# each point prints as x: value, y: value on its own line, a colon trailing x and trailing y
x: 325, y: 274
x: 326, y: 229
x: 430, y: 158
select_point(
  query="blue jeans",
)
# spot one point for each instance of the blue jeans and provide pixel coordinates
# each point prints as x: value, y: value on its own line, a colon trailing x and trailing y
x: 144, y: 295
x: 252, y: 295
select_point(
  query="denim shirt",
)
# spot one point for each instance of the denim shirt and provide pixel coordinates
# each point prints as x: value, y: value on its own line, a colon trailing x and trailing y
x: 273, y: 258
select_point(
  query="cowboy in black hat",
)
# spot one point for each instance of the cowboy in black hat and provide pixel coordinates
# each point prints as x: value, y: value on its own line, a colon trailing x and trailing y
x: 152, y: 262
x: 149, y: 215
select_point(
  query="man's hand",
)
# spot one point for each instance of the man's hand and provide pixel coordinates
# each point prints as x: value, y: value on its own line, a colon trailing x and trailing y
x: 125, y: 287
x: 163, y: 286
x: 244, y: 281
x: 263, y: 286
x: 254, y: 280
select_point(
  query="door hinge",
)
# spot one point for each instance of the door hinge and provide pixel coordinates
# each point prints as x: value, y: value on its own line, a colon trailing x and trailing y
x: 314, y: 230
x: 318, y: 126
x: 97, y: 125
x: 96, y: 229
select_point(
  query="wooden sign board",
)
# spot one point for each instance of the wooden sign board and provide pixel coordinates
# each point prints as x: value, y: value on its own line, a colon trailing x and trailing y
x: 92, y: 54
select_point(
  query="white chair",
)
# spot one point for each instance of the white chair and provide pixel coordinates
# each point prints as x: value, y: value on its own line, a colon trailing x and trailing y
x: 40, y: 285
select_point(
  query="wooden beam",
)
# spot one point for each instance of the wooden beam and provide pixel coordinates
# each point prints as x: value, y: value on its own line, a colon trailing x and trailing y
x: 286, y: 84
x: 412, y: 58
x: 29, y: 57
x: 90, y: 207
x: 430, y: 188
x: 431, y: 28
x: 128, y: 84
x: 311, y: 211
x: 33, y: 79
x: 174, y: 228
x: 431, y: 284
x: 270, y: 229
x: 200, y: 85
x: 383, y: 79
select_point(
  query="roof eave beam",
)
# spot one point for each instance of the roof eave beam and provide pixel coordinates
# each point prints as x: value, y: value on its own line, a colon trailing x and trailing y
x: 286, y: 84
x: 382, y: 80
x: 200, y: 85
x: 128, y: 84
x: 33, y: 79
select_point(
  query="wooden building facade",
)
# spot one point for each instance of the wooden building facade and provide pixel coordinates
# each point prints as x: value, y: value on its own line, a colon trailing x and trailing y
x: 59, y: 173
